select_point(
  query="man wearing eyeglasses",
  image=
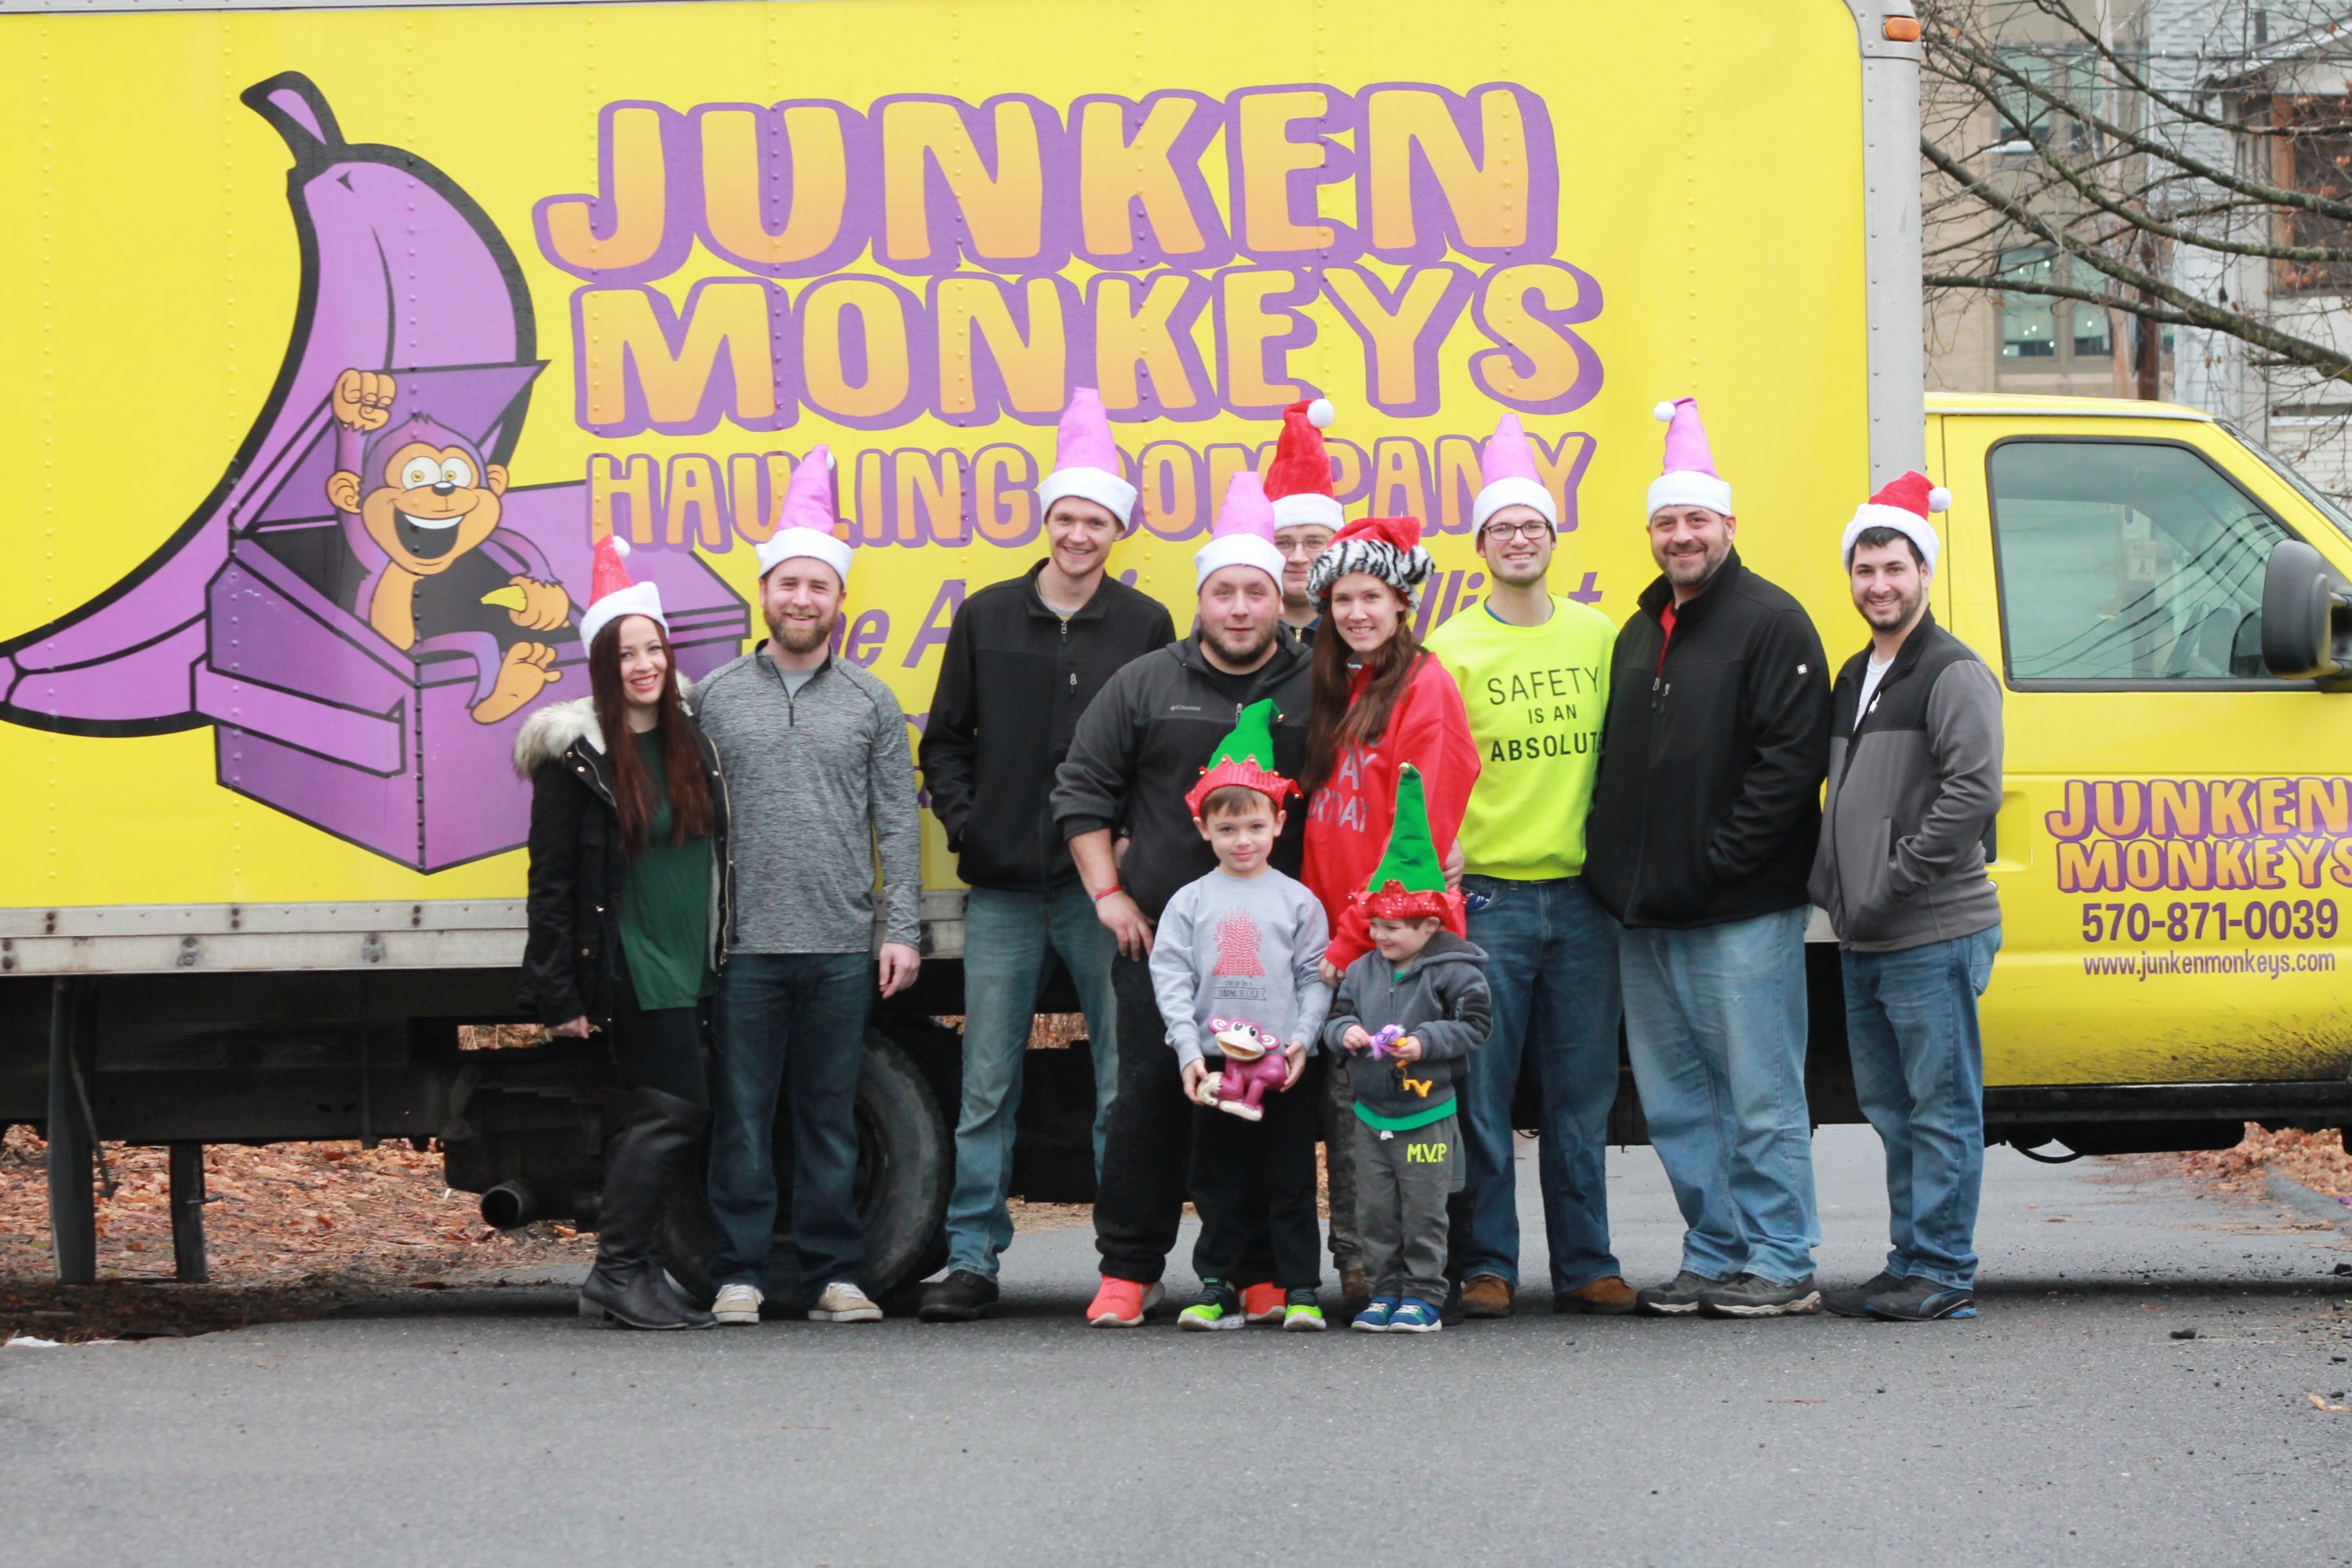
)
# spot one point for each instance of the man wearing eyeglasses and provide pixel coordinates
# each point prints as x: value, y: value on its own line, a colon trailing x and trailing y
x: 1533, y: 667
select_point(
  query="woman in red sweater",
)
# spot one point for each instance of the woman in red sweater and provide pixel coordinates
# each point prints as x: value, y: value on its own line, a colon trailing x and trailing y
x: 1379, y: 701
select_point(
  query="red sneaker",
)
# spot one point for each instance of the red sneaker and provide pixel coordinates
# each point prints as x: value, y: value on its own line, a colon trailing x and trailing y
x: 1121, y: 1303
x: 1262, y: 1304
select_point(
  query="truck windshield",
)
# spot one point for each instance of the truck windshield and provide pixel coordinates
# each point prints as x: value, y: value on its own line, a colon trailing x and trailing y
x: 2318, y: 498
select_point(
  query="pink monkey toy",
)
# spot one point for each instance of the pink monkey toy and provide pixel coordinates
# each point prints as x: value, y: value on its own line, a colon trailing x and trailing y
x: 1254, y: 1067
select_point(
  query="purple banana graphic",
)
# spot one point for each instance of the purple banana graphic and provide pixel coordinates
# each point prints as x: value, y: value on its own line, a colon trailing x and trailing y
x: 399, y: 268
x: 364, y: 608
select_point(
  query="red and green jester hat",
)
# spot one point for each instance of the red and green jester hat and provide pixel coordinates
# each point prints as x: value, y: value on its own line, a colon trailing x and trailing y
x: 1410, y: 880
x: 1244, y: 757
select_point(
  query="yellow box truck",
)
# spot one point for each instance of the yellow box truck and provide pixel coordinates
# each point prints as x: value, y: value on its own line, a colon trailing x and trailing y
x: 266, y: 853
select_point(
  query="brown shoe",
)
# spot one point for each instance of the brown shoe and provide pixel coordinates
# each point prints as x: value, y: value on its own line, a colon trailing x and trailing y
x: 1486, y: 1297
x: 1355, y: 1291
x: 1607, y: 1297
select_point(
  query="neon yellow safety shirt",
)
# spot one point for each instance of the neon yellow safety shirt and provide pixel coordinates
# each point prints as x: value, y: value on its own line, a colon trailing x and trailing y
x: 1535, y: 695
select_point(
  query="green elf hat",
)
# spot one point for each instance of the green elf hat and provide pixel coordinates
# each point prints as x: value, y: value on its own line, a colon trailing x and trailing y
x: 1410, y: 880
x: 1244, y: 757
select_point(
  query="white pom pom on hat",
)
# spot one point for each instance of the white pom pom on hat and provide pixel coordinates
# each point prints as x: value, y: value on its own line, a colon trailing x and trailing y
x: 1320, y: 414
x: 620, y: 547
x: 1940, y: 500
x: 1664, y: 413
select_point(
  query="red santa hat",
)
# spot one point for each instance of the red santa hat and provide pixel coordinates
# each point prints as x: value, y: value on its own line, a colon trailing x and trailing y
x: 612, y: 595
x: 1243, y: 535
x: 1387, y: 547
x: 1903, y: 504
x: 1086, y: 461
x: 1689, y: 478
x: 1507, y: 471
x: 807, y: 519
x: 1298, y: 481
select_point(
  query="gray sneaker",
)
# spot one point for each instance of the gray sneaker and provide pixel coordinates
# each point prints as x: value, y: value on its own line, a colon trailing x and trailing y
x: 1848, y: 1302
x: 1678, y: 1297
x: 843, y: 1302
x: 1750, y: 1296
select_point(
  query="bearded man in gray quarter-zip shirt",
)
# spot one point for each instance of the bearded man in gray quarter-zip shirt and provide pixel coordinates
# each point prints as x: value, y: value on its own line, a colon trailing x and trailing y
x: 822, y: 788
x: 1915, y: 780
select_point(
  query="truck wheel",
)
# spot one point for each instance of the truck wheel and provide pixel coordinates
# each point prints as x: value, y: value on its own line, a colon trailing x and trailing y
x: 906, y: 1163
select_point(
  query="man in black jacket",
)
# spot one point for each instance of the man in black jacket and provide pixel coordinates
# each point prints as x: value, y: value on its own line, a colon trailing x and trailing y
x: 1703, y: 822
x: 1022, y: 660
x: 1140, y: 746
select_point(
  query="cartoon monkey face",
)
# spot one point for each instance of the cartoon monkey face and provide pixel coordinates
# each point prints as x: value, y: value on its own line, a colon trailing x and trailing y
x: 428, y: 506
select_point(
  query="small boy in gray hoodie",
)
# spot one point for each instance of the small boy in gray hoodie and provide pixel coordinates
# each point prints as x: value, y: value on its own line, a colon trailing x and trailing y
x: 1406, y: 1019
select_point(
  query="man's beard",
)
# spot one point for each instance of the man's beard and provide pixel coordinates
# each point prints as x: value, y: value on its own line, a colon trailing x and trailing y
x: 802, y: 636
x: 1237, y: 655
x: 1905, y: 607
x: 1707, y: 566
x: 1508, y: 573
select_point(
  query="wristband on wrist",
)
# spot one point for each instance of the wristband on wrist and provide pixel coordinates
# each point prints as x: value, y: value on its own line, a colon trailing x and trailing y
x: 1106, y: 892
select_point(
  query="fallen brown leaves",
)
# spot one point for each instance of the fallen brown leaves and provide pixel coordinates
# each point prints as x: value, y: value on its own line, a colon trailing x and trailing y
x: 2316, y: 1160
x: 294, y: 1230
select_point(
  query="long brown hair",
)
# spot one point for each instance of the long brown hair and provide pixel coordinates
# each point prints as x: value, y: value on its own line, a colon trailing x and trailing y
x: 1334, y: 723
x: 633, y: 784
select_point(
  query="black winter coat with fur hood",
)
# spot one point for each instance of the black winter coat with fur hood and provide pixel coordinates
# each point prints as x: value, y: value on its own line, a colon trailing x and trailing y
x: 572, y: 957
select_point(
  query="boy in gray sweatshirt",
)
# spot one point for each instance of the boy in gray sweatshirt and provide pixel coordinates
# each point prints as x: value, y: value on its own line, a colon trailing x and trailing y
x: 1238, y: 953
x: 1407, y: 1016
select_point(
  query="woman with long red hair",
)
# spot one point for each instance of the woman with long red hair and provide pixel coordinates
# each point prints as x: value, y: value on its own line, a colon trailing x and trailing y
x: 626, y: 912
x: 1381, y: 701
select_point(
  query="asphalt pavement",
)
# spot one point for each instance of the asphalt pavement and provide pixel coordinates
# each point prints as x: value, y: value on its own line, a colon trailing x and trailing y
x: 2067, y: 1424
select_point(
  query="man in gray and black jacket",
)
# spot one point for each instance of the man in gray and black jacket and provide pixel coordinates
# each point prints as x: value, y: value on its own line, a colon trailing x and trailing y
x: 821, y: 796
x: 1915, y: 780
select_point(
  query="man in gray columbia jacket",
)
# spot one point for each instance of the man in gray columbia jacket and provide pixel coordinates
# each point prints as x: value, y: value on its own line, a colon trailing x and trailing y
x: 822, y: 786
x: 1915, y: 780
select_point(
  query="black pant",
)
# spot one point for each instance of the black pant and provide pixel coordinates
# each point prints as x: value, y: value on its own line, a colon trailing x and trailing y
x: 661, y: 1050
x: 1148, y: 1147
x: 1254, y: 1183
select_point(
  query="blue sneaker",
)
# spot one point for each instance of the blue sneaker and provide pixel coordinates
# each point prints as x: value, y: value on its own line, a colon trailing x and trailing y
x: 1415, y: 1317
x: 1374, y: 1318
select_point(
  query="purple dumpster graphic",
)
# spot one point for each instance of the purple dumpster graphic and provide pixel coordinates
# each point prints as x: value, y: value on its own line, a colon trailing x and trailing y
x: 364, y: 608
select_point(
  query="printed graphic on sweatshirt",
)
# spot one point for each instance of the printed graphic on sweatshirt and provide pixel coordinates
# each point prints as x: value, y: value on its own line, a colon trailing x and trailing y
x: 1542, y: 710
x: 1238, y: 940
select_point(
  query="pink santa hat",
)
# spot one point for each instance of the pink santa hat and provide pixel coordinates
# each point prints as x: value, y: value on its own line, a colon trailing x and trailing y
x: 1243, y: 535
x: 1903, y: 504
x: 611, y: 594
x: 806, y: 521
x: 1506, y: 470
x: 1086, y: 461
x: 1689, y: 479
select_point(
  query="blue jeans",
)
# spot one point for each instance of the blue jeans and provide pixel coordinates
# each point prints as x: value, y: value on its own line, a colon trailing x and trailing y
x: 1715, y: 1021
x: 1009, y: 941
x: 1919, y: 1070
x: 793, y: 1020
x: 1551, y: 964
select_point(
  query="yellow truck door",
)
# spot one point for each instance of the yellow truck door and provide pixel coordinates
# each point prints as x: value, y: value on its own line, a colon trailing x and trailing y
x: 2173, y: 849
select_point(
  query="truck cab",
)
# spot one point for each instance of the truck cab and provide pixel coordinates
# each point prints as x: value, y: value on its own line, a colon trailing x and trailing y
x: 2174, y: 843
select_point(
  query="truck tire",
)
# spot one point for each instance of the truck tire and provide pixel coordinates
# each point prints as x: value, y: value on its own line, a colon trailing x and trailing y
x: 906, y: 1165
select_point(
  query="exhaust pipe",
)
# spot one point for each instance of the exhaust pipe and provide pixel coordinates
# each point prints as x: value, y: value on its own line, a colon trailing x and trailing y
x: 509, y: 1206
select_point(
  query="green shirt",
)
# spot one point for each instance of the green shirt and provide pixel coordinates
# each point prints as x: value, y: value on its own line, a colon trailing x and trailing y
x: 1535, y: 696
x: 666, y: 908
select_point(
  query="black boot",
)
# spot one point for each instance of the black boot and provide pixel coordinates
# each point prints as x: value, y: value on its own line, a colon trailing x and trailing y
x: 625, y: 1282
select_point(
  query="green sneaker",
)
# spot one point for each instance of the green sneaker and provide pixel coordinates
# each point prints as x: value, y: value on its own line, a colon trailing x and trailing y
x: 1302, y: 1314
x: 1220, y: 1307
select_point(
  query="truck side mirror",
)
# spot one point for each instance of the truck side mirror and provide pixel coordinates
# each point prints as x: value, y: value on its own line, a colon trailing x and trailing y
x: 2307, y: 618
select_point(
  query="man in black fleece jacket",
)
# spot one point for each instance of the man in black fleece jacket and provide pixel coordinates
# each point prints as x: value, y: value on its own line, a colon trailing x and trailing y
x: 1705, y: 817
x: 1139, y: 747
x: 1022, y: 660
